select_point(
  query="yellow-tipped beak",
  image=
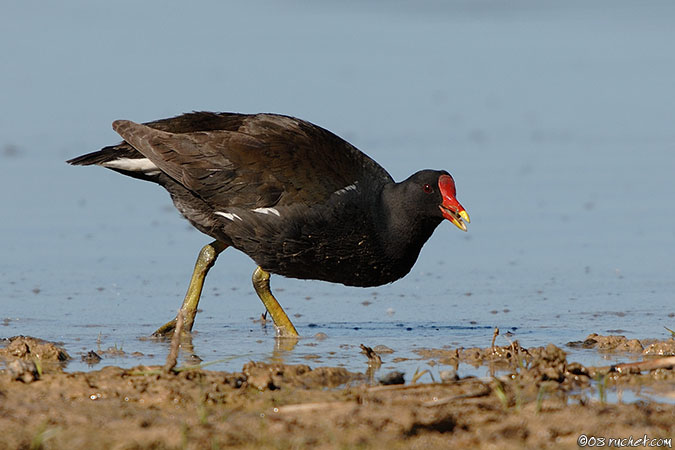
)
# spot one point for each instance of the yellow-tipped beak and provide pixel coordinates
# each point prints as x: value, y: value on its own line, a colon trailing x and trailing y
x: 459, y: 223
x: 459, y: 219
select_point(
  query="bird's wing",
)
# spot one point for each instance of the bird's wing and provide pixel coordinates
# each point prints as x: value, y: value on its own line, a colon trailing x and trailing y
x: 261, y: 160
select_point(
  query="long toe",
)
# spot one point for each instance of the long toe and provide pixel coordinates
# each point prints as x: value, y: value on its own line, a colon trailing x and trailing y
x: 166, y: 330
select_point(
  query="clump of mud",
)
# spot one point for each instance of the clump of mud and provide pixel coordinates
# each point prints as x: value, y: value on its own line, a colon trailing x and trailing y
x: 26, y: 347
x: 536, y: 364
x: 273, y: 376
x: 618, y: 343
x: 531, y: 371
x: 27, y: 358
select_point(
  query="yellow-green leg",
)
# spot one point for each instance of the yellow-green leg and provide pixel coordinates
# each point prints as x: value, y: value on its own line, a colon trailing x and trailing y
x: 207, y: 257
x: 261, y: 283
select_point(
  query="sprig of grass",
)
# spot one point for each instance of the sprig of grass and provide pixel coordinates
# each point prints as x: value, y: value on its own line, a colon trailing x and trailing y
x: 501, y: 393
x: 203, y: 413
x: 43, y: 435
x: 38, y: 365
x: 602, y: 387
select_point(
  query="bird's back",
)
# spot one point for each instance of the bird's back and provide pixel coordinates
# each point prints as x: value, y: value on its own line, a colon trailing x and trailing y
x: 293, y: 196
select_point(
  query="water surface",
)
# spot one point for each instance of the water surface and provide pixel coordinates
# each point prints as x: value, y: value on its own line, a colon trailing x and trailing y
x: 556, y: 121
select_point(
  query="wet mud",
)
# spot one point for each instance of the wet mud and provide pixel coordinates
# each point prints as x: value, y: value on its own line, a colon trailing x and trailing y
x: 536, y: 398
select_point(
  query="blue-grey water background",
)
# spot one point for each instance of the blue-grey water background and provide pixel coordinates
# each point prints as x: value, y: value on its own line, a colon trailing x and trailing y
x: 557, y: 120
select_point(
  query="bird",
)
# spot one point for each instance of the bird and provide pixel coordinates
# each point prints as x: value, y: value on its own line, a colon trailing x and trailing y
x: 300, y: 201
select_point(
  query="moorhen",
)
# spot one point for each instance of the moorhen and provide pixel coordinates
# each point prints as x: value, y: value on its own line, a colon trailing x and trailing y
x: 296, y: 198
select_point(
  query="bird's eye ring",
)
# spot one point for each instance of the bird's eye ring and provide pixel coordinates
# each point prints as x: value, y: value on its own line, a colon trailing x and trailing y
x: 427, y: 189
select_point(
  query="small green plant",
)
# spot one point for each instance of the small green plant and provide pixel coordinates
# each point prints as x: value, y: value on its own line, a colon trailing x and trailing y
x: 203, y: 413
x: 601, y: 380
x: 43, y: 435
x: 38, y: 365
x: 184, y: 438
x: 501, y: 393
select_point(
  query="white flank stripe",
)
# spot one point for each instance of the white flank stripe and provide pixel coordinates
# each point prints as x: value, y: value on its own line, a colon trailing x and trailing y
x: 133, y: 165
x: 267, y: 211
x: 230, y: 216
x: 351, y: 187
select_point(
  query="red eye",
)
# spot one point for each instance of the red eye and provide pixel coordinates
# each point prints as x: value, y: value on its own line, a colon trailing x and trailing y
x: 426, y: 188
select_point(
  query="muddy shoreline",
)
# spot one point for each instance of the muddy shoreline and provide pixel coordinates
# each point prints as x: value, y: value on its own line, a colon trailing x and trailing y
x: 539, y: 399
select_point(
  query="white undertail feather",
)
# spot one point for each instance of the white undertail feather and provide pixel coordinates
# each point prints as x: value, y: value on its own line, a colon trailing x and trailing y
x: 133, y: 165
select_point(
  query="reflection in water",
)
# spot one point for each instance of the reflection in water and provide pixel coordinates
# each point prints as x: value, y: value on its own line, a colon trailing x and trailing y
x: 283, y: 348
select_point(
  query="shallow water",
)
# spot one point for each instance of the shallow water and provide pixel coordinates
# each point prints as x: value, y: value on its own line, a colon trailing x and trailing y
x: 556, y: 121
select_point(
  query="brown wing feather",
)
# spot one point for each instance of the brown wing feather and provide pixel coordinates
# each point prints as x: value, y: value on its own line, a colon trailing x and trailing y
x: 260, y: 161
x: 185, y: 123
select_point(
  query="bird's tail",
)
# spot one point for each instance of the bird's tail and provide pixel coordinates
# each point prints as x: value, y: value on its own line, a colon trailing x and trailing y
x: 105, y: 155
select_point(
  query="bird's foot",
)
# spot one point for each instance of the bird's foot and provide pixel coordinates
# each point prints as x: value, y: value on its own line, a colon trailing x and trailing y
x: 285, y: 332
x: 166, y: 330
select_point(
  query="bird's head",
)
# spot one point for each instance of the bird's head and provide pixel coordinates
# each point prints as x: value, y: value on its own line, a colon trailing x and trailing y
x: 431, y: 195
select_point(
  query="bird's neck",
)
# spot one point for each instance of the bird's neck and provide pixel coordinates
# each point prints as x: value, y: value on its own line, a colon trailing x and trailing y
x: 404, y: 229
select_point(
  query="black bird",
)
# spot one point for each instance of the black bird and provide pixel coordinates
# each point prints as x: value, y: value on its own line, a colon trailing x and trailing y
x: 297, y: 199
